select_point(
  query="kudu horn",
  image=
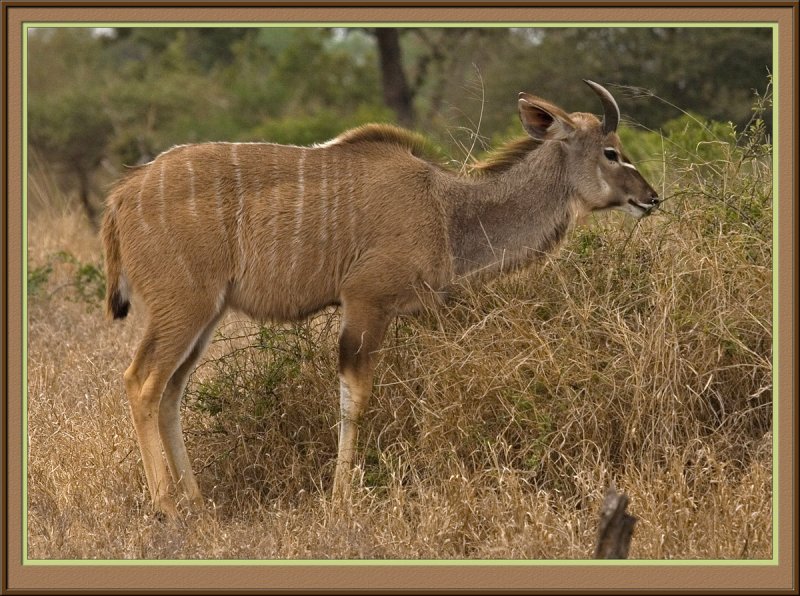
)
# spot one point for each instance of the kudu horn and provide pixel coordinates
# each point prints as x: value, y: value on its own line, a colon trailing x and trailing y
x: 610, y: 107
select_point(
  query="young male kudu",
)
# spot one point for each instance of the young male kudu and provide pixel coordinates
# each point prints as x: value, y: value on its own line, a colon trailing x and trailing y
x: 365, y: 221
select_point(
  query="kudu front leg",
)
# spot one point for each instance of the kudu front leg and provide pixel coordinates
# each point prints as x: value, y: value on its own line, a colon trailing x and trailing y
x: 362, y: 332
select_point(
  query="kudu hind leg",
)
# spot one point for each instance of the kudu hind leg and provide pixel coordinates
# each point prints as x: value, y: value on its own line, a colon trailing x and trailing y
x: 362, y: 332
x: 169, y: 421
x: 143, y: 397
x: 163, y: 349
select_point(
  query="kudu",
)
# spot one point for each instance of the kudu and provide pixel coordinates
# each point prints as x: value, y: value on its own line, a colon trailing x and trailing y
x: 364, y: 221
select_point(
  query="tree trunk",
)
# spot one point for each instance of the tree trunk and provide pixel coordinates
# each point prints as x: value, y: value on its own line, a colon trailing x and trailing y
x: 83, y: 193
x: 615, y: 528
x: 396, y: 92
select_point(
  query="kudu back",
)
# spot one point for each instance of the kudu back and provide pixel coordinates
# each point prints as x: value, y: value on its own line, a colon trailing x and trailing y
x: 366, y: 221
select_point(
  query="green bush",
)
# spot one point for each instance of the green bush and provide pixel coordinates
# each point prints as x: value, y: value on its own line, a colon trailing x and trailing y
x: 86, y: 281
x: 320, y: 126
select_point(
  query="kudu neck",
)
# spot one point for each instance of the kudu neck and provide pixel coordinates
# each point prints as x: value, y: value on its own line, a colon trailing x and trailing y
x: 500, y: 220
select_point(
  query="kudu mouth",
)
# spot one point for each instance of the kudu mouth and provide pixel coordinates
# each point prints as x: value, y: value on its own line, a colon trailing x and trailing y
x: 645, y: 209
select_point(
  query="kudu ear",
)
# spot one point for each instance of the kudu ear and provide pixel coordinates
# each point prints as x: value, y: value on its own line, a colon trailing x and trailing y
x: 542, y: 120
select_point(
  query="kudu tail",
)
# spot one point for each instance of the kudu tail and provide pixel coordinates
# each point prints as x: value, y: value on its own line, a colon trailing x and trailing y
x: 117, y: 299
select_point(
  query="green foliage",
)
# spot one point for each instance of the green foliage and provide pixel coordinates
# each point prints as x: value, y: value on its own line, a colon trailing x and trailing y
x: 712, y: 71
x: 165, y: 101
x: 85, y: 280
x: 279, y: 353
x: 90, y: 282
x: 38, y: 278
x: 269, y: 398
x: 209, y: 396
x: 732, y: 169
x: 684, y: 141
x: 321, y: 126
x: 755, y: 142
x: 70, y: 126
x: 67, y: 118
x: 207, y: 47
x: 587, y: 241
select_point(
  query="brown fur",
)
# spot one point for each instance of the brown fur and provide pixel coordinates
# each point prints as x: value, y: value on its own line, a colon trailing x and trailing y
x: 369, y: 221
x: 416, y: 144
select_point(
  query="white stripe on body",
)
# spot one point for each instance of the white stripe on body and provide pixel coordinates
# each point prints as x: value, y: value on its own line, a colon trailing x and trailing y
x: 351, y: 204
x: 161, y: 201
x: 297, y: 247
x: 274, y: 207
x: 249, y: 234
x: 323, y: 201
x: 218, y: 203
x: 192, y: 195
x: 324, y: 224
x: 239, y: 209
x: 139, y: 205
x: 172, y: 240
x: 335, y: 236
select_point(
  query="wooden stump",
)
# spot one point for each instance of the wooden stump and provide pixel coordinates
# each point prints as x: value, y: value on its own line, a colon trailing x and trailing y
x: 616, y: 527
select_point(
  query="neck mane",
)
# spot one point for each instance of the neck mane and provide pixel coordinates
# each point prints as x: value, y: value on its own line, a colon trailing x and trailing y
x: 506, y: 156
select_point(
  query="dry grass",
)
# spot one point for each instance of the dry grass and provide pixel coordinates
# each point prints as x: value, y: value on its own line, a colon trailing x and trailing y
x: 635, y: 355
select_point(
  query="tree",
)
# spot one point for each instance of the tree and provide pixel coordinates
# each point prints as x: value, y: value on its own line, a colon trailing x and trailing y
x: 396, y: 92
x: 709, y: 70
x: 67, y: 122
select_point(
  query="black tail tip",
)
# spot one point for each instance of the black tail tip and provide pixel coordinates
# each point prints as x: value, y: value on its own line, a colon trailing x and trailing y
x: 119, y: 306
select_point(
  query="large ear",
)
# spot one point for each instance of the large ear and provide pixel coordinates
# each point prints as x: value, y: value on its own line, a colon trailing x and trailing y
x: 542, y: 120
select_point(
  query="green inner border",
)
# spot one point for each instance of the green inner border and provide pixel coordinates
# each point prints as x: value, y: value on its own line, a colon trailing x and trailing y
x: 400, y: 562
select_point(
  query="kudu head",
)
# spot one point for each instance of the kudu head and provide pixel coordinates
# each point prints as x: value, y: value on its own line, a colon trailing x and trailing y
x: 599, y: 173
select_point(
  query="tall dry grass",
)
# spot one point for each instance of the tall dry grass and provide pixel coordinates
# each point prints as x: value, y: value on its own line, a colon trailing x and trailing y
x: 638, y: 354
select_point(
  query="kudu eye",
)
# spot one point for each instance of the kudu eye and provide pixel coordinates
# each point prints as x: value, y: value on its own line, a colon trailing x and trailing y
x: 611, y: 154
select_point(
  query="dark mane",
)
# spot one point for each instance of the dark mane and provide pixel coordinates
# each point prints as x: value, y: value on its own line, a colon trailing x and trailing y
x: 505, y: 156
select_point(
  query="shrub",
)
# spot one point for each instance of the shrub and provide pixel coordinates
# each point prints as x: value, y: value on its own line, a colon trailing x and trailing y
x: 86, y: 281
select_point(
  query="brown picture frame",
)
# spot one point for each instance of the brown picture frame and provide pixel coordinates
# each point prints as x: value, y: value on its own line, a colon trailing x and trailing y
x: 776, y: 576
